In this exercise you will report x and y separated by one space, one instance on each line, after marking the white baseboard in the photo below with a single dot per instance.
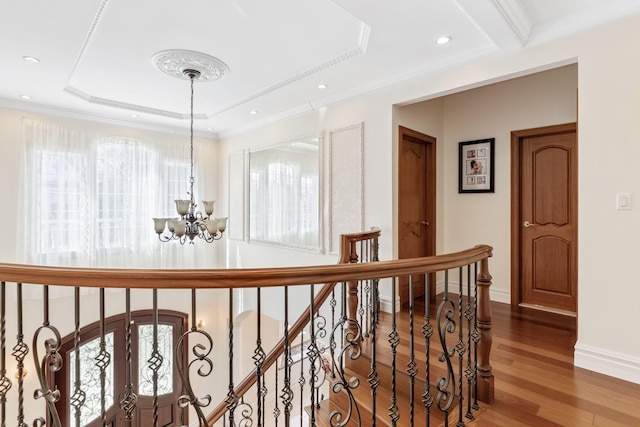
498 295
607 362
386 304
495 294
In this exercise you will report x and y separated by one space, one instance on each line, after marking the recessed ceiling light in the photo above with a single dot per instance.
443 40
210 129
254 112
27 97
31 59
134 116
322 86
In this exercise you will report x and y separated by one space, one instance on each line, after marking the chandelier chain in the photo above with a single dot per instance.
191 178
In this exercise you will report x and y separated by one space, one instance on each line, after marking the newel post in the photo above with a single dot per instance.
485 372
352 297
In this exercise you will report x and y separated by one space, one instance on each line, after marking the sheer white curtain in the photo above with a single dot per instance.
90 199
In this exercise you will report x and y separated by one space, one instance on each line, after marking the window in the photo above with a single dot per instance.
95 196
284 194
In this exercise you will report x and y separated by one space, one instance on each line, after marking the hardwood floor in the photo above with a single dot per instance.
536 383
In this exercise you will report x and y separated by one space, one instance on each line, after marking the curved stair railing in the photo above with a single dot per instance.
309 374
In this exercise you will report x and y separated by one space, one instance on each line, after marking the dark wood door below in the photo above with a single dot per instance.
416 204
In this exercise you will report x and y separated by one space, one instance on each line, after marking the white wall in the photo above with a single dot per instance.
609 102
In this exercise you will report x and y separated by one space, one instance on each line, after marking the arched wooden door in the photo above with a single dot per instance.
171 325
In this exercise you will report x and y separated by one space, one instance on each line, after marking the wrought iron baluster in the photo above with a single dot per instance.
232 397
373 379
20 351
5 383
475 337
332 340
156 359
461 348
276 409
313 355
201 353
259 357
129 399
412 368
103 359
446 325
394 340
469 370
51 360
427 332
287 393
79 395
301 381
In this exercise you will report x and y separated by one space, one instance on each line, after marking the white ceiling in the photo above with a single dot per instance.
96 55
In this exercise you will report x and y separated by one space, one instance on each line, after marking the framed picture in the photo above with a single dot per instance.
476 166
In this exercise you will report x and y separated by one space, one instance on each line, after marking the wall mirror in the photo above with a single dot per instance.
284 194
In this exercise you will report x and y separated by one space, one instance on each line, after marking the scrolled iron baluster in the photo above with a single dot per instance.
352 349
201 353
51 360
246 414
322 366
446 325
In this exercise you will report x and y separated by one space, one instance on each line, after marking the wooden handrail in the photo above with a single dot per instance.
244 278
347 270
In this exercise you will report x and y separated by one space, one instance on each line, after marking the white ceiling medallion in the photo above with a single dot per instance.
174 62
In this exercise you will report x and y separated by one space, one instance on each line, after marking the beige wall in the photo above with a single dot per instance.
608 104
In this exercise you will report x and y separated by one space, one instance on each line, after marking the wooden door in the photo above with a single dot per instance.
544 218
169 414
416 203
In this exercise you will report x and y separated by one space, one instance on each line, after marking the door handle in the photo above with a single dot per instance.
527 224
425 223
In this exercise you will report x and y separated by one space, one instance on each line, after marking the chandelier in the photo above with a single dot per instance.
191 223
